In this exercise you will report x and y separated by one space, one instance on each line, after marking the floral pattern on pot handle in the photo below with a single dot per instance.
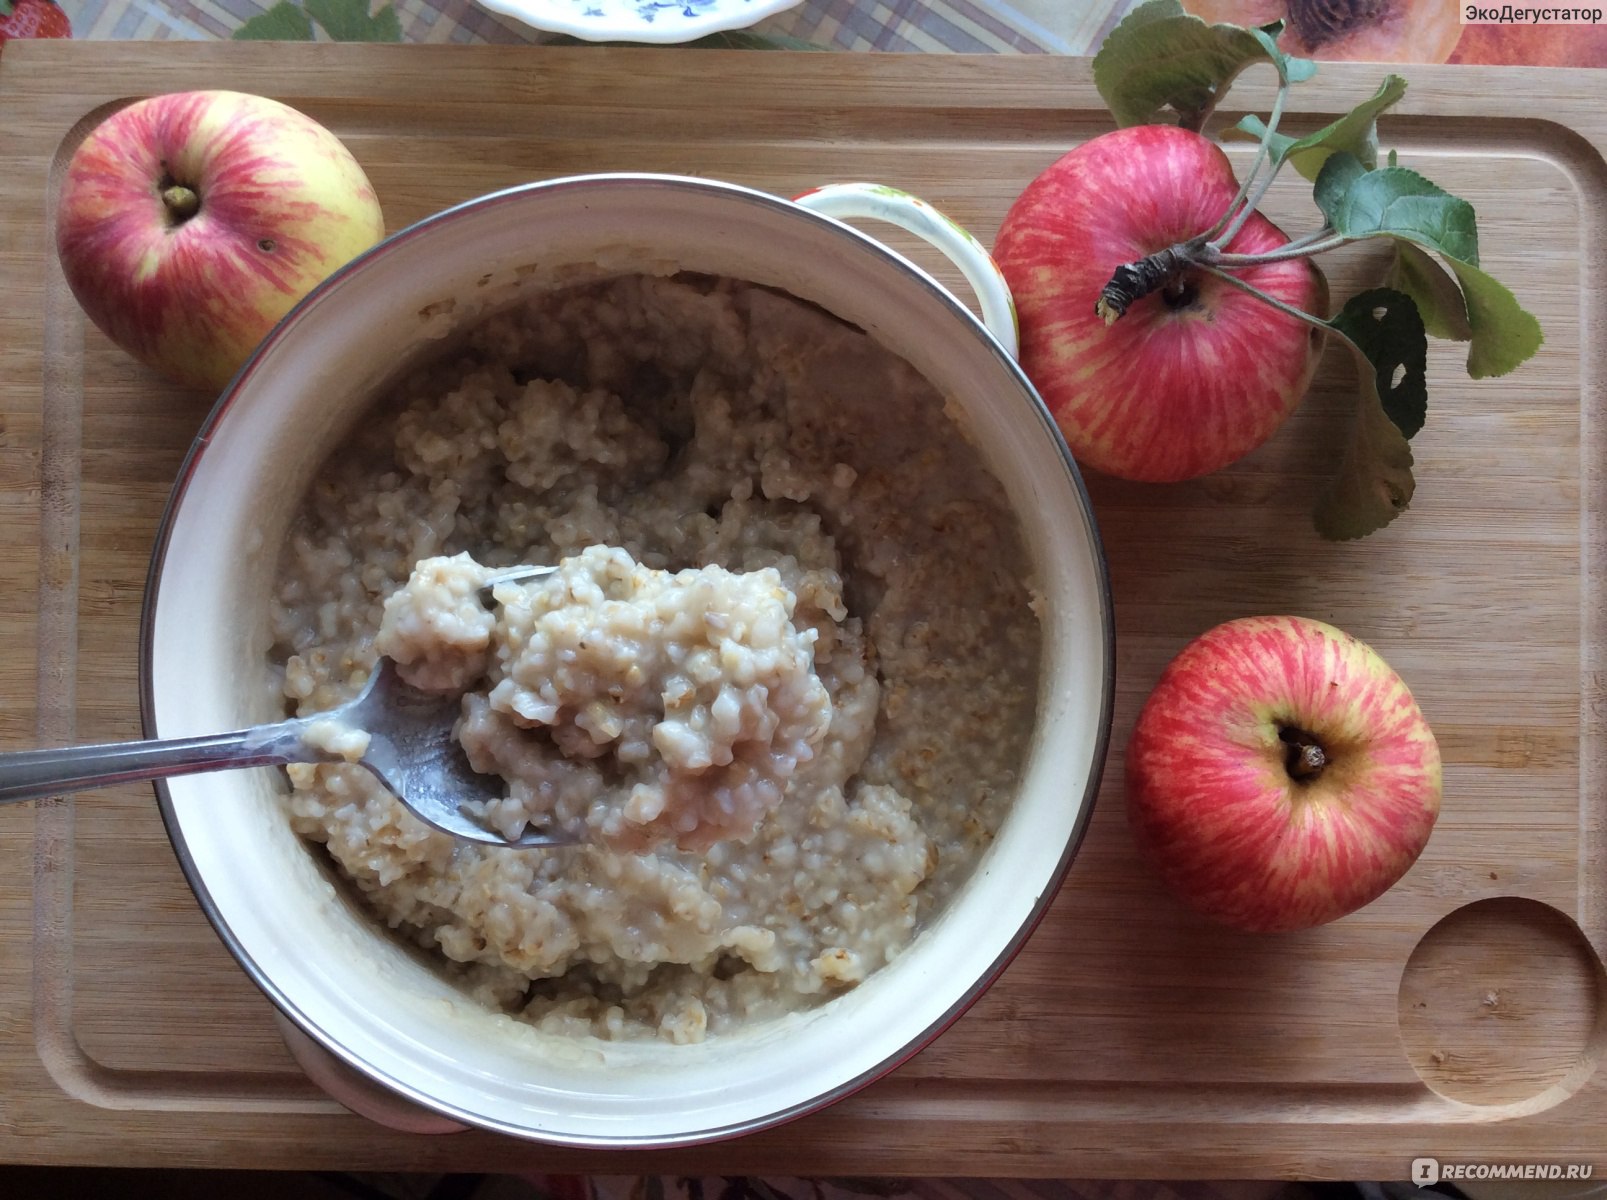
877 202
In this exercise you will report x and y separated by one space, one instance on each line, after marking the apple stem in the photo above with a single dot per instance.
1132 281
1217 258
1240 208
1250 204
1310 239
1304 759
1135 280
1299 314
181 202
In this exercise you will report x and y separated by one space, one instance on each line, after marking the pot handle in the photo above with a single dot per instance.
875 201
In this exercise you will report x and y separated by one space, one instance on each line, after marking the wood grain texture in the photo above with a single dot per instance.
1129 1038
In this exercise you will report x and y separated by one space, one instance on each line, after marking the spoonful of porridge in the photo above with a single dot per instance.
595 701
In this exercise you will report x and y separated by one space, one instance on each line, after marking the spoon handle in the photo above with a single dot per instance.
33 774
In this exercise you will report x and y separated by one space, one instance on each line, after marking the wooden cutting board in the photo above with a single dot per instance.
1461 1016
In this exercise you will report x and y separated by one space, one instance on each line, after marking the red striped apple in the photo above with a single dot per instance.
189 223
1281 775
1197 373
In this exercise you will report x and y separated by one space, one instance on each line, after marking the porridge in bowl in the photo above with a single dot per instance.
784 676
675 706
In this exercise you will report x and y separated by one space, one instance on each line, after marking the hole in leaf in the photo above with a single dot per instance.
1398 375
1380 313
266 245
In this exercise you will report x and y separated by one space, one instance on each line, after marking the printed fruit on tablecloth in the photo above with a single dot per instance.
32 19
1425 31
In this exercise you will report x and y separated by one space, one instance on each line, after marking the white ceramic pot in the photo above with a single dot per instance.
346 984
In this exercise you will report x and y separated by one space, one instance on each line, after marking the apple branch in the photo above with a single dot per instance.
1309 239
1298 313
1260 158
1161 60
1210 256
1254 201
1133 281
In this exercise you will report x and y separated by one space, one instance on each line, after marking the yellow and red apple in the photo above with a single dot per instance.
190 223
1196 374
1281 775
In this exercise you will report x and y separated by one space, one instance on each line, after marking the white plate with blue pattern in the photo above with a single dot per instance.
639 20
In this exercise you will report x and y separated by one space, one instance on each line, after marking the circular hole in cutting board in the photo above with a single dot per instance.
1504 1002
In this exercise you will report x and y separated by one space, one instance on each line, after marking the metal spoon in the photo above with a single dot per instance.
411 750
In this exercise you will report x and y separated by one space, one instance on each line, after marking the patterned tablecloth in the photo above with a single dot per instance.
1031 26
963 26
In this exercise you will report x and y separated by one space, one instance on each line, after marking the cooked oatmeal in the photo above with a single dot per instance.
623 705
785 674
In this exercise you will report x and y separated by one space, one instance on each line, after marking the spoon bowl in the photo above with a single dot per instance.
404 735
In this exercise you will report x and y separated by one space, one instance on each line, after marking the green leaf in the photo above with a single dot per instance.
1398 203
1255 130
1354 133
1393 200
1338 175
1505 334
284 22
1290 69
1159 57
1298 70
1374 484
1385 326
1438 296
350 21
